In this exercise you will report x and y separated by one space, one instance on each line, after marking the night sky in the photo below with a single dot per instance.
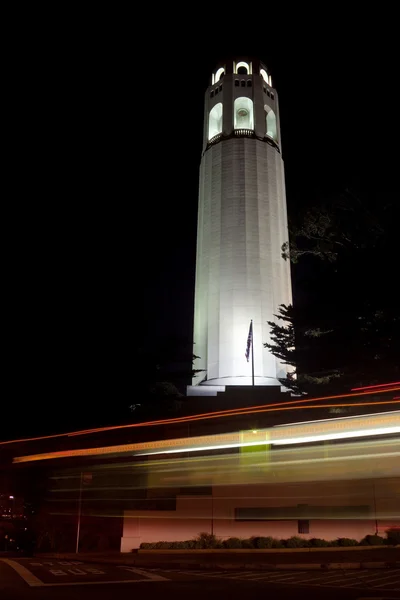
101 237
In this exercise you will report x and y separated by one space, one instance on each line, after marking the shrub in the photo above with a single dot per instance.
247 544
263 542
233 542
278 543
296 542
393 537
178 545
372 540
346 542
318 543
206 541
162 545
146 546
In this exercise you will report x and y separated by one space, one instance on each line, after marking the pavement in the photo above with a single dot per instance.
44 579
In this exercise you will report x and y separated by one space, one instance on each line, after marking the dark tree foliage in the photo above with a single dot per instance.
296 340
344 328
163 373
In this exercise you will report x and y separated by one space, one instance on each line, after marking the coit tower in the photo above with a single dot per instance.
242 224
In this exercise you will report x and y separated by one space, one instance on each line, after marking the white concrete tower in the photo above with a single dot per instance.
242 224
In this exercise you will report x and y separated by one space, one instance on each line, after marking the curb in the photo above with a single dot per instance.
229 566
263 550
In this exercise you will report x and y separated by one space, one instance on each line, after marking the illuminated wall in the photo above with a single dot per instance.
309 510
242 224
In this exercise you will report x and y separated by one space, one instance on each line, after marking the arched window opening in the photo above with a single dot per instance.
219 74
236 82
264 75
215 121
243 113
212 94
243 68
271 125
249 83
243 83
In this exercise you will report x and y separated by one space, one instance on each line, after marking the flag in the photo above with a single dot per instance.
249 341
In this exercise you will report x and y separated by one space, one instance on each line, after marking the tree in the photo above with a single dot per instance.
296 343
163 373
344 328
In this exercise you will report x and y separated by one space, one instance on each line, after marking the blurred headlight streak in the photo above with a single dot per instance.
301 433
358 460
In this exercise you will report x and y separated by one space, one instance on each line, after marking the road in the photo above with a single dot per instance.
33 579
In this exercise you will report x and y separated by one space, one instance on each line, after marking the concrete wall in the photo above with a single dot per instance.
195 514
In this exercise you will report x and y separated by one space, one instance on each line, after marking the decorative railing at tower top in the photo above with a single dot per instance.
244 132
249 133
214 139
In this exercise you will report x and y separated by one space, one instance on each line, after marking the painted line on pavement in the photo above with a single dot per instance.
149 576
385 584
58 584
24 573
395 575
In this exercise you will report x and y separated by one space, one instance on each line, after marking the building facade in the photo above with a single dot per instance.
327 510
242 224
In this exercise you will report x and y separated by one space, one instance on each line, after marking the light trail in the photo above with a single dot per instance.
342 423
380 385
216 414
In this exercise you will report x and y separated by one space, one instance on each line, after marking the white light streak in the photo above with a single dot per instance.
283 441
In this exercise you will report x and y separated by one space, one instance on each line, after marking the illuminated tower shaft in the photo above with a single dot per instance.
242 224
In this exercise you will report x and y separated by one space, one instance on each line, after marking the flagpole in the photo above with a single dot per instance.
252 353
78 528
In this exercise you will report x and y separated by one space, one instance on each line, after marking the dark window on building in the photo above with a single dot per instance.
268 93
265 89
272 95
216 91
212 94
299 513
195 491
243 83
249 83
237 82
220 88
303 526
242 71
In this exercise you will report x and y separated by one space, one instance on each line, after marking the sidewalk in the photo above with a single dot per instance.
338 558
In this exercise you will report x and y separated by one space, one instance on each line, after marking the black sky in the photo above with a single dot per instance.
100 238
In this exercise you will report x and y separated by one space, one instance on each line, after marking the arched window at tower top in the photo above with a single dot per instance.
242 68
271 130
243 113
215 121
219 74
264 75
